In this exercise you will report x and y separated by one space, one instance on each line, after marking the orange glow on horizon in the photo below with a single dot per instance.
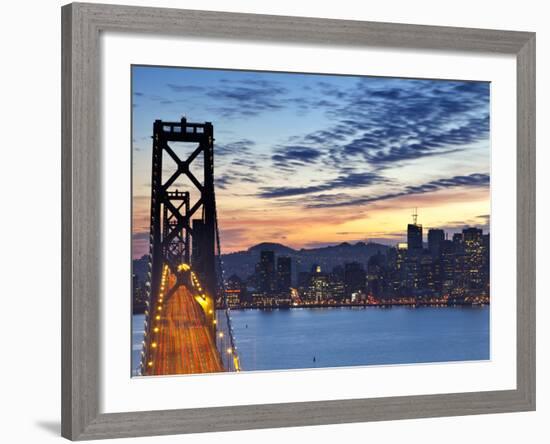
299 227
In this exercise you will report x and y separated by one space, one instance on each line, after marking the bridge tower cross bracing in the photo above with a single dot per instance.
183 231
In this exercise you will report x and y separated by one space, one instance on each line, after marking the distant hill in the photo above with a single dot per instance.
277 248
243 263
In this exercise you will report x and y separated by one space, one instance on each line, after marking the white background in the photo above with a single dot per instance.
30 184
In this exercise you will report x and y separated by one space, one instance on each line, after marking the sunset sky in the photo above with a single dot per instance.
310 160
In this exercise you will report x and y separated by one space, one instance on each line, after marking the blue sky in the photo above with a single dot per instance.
307 159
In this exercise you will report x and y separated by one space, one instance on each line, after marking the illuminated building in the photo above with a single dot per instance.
283 275
336 282
486 263
473 258
428 280
266 272
139 295
319 289
354 278
235 291
411 273
376 275
457 271
414 236
457 239
447 272
435 237
396 264
447 261
303 282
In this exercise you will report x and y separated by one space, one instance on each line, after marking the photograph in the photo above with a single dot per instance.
286 220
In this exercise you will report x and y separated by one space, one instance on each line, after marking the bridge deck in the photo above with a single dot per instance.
184 343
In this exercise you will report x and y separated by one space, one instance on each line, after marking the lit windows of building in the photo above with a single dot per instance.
414 238
235 291
284 276
319 290
354 278
436 237
266 272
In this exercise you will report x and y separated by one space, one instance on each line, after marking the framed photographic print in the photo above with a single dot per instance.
278 221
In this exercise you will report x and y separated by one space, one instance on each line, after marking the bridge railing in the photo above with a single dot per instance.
225 341
143 355
225 338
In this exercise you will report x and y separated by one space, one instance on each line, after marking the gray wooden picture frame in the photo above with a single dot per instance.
81 174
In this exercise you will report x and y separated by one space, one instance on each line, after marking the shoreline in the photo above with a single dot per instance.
388 305
353 305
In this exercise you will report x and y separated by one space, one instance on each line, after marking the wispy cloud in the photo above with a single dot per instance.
354 180
236 148
289 157
182 88
473 180
384 122
246 98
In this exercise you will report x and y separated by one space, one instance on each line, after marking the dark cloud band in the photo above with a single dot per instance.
473 180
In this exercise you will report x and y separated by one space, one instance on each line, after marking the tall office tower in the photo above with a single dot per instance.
354 278
414 235
376 274
436 237
303 282
448 257
283 274
473 258
396 258
319 289
472 235
486 267
429 275
414 238
457 238
336 282
266 268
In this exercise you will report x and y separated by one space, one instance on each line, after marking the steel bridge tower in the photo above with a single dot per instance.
183 231
185 271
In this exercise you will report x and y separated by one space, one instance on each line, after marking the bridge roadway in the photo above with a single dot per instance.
181 342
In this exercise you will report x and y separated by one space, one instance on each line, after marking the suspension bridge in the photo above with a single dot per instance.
187 327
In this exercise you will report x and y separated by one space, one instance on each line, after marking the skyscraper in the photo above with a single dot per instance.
266 269
319 289
376 276
457 238
354 278
414 235
336 282
283 274
448 256
486 265
473 257
436 237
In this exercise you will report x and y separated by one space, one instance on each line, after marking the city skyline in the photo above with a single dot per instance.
309 160
440 273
